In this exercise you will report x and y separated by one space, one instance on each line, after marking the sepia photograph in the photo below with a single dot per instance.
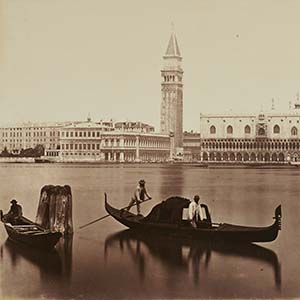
149 149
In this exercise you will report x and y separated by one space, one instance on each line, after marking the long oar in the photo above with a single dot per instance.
101 218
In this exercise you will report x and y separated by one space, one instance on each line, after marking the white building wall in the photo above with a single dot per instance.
221 123
285 123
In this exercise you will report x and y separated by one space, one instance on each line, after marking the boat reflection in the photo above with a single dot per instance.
192 257
53 265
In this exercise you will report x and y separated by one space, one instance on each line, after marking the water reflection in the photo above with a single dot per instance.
170 183
191 257
53 269
48 263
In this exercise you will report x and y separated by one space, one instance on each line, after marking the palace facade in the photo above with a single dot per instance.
126 142
29 135
265 138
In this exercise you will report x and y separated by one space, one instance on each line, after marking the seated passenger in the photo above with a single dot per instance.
15 213
195 213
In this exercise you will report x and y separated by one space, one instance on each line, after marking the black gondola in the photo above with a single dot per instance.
176 227
31 234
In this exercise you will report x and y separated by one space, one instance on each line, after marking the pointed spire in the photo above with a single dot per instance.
173 48
89 119
297 102
273 104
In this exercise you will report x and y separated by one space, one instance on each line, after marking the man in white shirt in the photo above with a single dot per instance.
195 212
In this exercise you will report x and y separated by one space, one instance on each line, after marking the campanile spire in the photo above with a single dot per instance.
171 116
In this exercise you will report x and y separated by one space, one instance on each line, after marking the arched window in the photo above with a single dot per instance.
261 131
229 129
247 129
246 156
212 129
253 157
294 131
267 157
281 157
276 129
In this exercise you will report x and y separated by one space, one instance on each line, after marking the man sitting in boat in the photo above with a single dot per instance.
15 213
195 213
139 196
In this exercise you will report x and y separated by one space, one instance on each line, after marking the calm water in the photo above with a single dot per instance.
105 261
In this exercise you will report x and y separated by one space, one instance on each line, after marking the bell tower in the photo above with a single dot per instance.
171 111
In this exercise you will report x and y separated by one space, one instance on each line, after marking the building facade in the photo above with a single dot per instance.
265 138
14 138
191 146
89 141
171 115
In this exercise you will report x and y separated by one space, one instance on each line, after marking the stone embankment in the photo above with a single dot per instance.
17 159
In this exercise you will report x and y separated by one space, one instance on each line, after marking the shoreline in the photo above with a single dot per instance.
204 165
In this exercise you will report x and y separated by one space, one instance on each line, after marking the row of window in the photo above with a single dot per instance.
84 133
260 118
132 141
81 134
28 134
242 156
24 128
171 78
26 140
247 130
251 145
79 154
80 146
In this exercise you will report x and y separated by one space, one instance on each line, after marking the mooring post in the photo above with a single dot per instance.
55 209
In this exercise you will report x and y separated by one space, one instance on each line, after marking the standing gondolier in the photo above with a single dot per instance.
139 196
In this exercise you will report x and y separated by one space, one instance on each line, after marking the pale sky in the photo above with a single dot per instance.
63 59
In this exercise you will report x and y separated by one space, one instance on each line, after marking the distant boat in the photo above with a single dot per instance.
42 160
177 227
31 234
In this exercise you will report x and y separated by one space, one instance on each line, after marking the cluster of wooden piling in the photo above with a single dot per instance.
55 209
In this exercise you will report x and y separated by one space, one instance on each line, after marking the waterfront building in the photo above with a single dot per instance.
191 146
271 137
14 138
91 141
171 113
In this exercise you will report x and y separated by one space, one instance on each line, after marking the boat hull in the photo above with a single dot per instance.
46 240
30 233
224 232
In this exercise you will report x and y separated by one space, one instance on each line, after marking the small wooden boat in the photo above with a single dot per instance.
31 234
177 227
